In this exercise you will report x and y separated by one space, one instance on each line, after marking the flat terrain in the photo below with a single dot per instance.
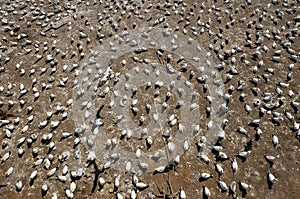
253 46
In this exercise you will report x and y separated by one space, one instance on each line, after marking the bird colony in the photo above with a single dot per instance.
254 47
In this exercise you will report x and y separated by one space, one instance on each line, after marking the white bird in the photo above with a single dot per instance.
62 178
275 140
101 181
206 192
223 185
182 194
141 185
19 185
117 182
234 165
69 193
33 174
219 169
5 156
205 158
244 186
9 171
51 172
160 169
133 194
72 186
206 176
128 166
65 170
271 178
44 187
232 187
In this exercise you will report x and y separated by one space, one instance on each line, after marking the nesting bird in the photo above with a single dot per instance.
58 62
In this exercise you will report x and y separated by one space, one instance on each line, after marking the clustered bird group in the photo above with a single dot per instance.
43 46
